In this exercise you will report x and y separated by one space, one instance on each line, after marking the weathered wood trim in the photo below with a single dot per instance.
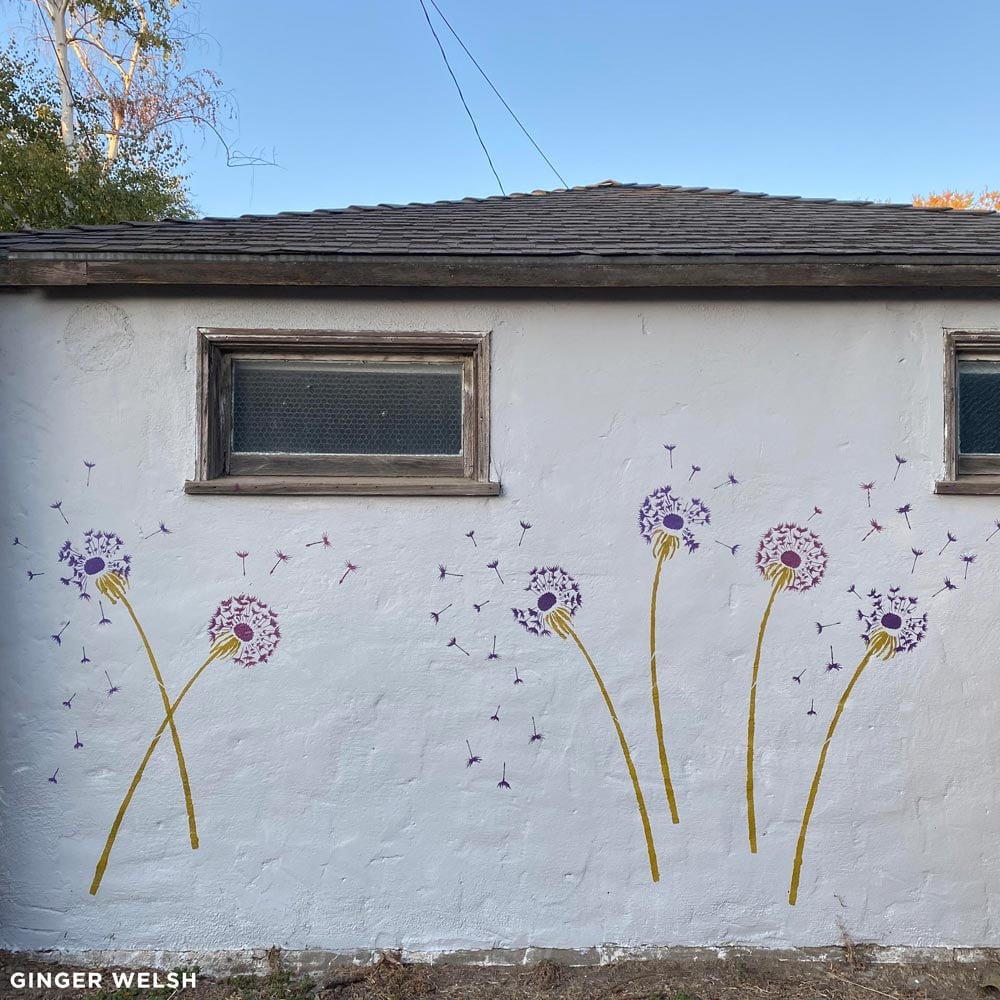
492 271
339 466
969 486
401 486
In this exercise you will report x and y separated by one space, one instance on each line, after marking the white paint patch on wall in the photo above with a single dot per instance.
334 803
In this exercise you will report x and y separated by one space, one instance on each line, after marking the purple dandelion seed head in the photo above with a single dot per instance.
664 511
555 590
100 553
895 614
796 548
252 623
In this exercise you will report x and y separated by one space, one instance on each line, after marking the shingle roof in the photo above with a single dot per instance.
609 219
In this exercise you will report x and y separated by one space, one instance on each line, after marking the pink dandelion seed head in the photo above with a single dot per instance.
99 556
796 548
249 621
896 615
552 589
663 511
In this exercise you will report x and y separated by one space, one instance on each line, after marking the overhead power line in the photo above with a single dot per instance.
510 110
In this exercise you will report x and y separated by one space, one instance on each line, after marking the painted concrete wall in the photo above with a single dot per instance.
335 805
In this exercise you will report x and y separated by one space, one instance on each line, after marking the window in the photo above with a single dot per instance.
303 411
972 412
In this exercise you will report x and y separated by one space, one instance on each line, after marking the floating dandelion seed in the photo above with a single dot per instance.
876 529
900 462
471 535
53 778
494 655
536 736
86 659
853 589
917 553
58 507
790 558
493 566
968 558
868 487
798 677
732 548
820 627
436 615
479 607
324 540
731 480
694 469
77 745
69 701
90 465
56 637
670 452
282 558
555 599
242 556
832 665
105 620
161 530
816 510
17 541
948 585
112 688
995 530
454 642
351 568
443 572
905 511
32 575
495 717
503 782
812 707
951 538
525 528
472 759
518 679
891 626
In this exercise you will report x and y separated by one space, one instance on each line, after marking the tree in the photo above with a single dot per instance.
986 201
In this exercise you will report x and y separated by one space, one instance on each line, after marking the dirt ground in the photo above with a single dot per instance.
742 978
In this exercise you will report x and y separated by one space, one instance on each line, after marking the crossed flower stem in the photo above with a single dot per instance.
560 623
225 647
665 547
883 646
781 577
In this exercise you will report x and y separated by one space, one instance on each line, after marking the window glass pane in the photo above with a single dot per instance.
347 408
979 407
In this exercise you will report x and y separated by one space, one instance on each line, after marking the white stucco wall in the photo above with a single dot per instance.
334 803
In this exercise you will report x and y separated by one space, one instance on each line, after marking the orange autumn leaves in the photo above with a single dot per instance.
986 201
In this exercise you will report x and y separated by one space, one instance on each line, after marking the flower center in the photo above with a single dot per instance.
546 601
892 621
243 632
93 566
791 559
673 522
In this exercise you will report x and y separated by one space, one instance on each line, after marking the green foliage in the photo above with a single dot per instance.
44 186
279 984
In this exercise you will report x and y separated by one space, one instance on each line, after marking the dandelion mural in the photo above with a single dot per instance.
101 561
242 629
791 558
666 522
891 625
556 599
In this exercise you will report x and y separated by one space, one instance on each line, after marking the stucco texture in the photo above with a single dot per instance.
334 802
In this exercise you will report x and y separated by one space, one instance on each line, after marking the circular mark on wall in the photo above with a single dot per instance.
99 337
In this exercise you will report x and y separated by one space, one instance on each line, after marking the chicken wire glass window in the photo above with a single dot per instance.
328 412
979 407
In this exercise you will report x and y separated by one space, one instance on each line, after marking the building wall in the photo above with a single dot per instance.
335 806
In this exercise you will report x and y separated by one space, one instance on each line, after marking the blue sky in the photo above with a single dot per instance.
877 99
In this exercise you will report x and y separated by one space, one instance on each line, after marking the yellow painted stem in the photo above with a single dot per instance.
647 829
102 864
181 765
657 715
752 719
793 890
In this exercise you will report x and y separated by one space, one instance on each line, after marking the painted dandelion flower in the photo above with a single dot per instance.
244 630
917 553
99 558
472 758
948 585
905 511
453 643
242 556
876 529
666 522
493 564
789 557
816 512
503 782
670 452
900 462
968 558
890 625
436 615
555 600
868 487
951 538
58 506
161 530
536 736
525 528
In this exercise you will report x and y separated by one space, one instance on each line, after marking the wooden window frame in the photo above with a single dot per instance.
221 472
966 474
